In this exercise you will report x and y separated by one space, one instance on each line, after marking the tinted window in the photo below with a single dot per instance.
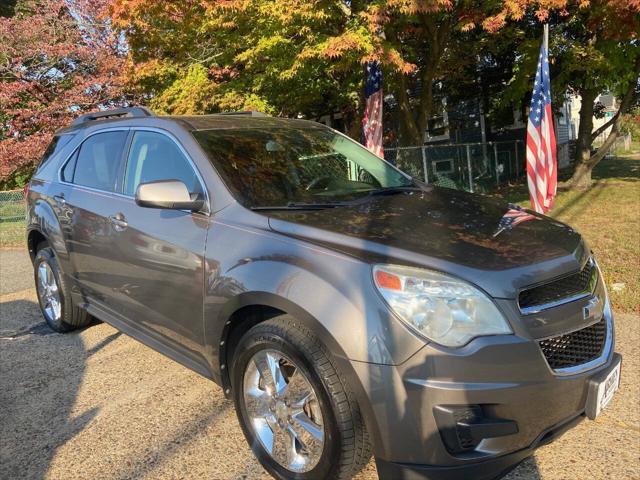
154 156
69 168
277 165
98 160
57 144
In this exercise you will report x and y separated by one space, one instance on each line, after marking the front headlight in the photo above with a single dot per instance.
441 308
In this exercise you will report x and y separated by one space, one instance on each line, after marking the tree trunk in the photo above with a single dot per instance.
583 146
582 175
415 115
408 132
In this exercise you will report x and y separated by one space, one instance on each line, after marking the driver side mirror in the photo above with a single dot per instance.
167 194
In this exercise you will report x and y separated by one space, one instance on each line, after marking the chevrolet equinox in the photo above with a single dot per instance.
348 309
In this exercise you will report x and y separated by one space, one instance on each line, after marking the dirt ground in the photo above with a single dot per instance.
96 404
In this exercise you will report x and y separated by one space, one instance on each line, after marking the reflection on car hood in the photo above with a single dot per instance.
447 230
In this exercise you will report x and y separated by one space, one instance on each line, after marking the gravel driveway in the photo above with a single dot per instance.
97 404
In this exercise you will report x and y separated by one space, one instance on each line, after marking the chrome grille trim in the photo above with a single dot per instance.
596 362
587 292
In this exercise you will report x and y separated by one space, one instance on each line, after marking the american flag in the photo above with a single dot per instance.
514 216
372 119
542 169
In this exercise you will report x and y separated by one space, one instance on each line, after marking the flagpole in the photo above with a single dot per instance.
541 139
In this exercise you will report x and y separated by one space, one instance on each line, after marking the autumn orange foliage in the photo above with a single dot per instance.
55 65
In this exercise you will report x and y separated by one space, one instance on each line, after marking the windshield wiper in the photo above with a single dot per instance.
394 190
299 206
324 205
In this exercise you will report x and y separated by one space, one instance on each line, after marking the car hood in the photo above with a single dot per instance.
456 232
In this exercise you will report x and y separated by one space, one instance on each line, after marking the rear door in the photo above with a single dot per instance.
159 254
88 183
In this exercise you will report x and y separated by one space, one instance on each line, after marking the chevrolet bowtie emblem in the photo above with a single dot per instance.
593 309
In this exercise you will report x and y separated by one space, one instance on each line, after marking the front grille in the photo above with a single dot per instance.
565 287
575 348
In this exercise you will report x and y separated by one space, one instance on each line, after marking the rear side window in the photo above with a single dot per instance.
96 163
69 168
154 156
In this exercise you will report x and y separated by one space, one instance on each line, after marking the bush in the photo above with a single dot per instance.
18 178
631 123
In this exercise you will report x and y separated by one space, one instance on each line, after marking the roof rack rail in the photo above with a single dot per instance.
118 112
248 113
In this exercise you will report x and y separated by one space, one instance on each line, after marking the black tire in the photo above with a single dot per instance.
71 317
346 448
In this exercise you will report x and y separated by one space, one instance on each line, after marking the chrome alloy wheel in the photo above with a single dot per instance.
284 411
48 292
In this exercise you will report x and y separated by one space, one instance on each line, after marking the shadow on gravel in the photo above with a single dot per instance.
41 373
161 453
527 470
41 329
37 391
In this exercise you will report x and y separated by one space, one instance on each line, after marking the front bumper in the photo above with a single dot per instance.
489 469
507 376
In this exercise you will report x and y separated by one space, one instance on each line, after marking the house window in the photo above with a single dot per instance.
438 125
562 118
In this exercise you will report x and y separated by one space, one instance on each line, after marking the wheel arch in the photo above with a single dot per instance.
251 308
34 238
44 225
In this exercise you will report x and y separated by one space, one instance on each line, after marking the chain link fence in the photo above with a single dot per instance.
12 207
475 167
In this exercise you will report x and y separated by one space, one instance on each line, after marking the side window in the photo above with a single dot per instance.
69 168
154 156
96 163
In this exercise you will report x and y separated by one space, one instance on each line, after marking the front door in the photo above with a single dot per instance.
160 252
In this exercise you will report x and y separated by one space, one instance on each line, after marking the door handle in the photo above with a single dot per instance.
60 199
118 222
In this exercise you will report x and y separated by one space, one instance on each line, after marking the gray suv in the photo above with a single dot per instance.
347 308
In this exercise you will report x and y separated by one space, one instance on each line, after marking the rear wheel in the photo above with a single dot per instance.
293 406
53 295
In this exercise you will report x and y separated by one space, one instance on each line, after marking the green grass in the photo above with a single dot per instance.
608 216
12 208
635 146
12 234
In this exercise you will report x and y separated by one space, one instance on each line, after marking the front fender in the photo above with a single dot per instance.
332 293
270 299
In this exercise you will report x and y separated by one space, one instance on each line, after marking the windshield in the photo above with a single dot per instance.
279 166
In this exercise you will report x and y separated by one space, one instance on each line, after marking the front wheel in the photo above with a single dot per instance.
293 406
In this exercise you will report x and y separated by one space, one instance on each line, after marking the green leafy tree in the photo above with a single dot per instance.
598 51
306 57
275 56
594 49
302 57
